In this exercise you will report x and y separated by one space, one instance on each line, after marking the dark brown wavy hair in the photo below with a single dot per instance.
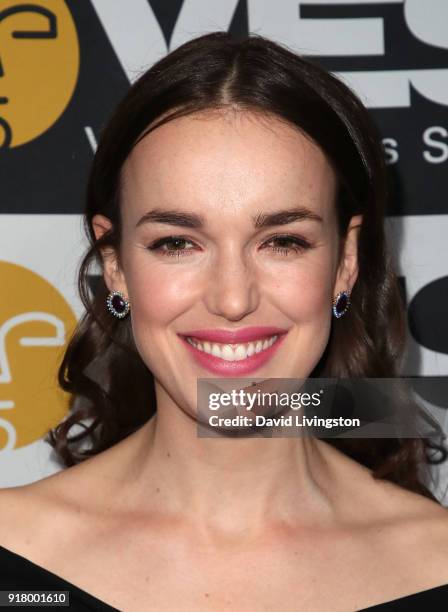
112 390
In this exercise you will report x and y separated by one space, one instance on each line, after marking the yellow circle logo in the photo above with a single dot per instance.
35 324
39 66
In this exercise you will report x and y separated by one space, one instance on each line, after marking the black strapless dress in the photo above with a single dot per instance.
21 574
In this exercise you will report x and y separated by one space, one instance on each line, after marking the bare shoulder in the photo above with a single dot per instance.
40 516
11 505
429 528
406 512
65 502
394 525
413 537
20 511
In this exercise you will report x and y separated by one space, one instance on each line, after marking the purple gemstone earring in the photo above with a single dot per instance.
117 304
341 303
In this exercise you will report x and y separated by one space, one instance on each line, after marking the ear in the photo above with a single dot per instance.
112 273
348 268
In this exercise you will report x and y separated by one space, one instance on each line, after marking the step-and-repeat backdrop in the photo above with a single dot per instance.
64 64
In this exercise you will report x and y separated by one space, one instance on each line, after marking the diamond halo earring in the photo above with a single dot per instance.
341 303
118 304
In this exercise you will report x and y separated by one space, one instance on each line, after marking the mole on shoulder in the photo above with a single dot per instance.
168 455
207 594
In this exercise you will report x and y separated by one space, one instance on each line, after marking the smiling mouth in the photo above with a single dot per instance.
233 352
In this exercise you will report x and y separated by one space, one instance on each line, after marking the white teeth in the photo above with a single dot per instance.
227 353
233 352
215 350
240 352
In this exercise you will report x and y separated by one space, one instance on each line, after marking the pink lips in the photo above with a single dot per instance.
234 336
234 368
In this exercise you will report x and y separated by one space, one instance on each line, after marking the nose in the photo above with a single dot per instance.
232 291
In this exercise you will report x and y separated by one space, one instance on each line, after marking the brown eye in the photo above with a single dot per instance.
175 246
288 244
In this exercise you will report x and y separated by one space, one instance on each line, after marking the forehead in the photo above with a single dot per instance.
231 159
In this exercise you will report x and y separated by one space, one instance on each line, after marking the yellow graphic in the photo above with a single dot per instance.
39 65
35 324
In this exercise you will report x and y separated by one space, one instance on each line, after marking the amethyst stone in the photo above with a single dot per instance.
341 304
118 303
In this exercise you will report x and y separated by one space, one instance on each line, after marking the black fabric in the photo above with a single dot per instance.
432 600
19 573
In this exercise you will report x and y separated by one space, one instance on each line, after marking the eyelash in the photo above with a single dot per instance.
300 245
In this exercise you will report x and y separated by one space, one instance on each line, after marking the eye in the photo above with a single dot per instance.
175 246
287 244
171 241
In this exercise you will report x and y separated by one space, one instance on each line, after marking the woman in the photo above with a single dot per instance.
237 192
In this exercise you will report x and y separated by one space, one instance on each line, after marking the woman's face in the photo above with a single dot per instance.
229 223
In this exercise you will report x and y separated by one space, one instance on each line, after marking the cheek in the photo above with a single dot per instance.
159 293
304 297
158 297
304 291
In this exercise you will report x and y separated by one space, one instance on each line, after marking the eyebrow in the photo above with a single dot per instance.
192 220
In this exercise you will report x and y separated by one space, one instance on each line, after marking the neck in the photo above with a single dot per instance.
209 482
